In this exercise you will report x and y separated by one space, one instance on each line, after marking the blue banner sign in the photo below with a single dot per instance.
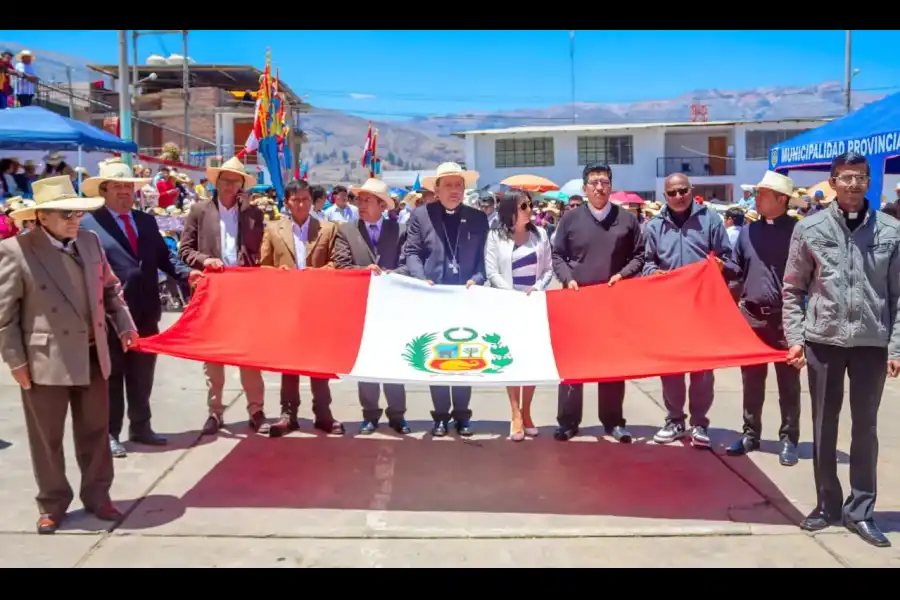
883 144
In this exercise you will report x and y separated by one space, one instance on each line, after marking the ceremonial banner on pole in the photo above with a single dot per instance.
676 323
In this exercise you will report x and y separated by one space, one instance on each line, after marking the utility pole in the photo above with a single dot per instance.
124 96
572 73
186 82
134 91
848 72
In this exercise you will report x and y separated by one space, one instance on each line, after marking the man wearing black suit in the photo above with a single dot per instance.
373 243
136 252
445 244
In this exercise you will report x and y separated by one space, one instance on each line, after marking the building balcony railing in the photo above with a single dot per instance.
694 166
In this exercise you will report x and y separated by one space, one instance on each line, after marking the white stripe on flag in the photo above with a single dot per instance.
448 335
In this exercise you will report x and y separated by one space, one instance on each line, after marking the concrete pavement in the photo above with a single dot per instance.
385 501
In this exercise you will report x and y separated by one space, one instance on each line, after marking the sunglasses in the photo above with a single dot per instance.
675 192
68 215
526 206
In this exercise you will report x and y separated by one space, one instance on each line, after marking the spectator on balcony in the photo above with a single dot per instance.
168 190
7 72
27 78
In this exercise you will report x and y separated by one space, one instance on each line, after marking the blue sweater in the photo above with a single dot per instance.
668 247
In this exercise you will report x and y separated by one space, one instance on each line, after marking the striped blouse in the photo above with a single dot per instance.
525 264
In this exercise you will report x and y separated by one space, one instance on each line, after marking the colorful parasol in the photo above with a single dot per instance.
530 183
626 198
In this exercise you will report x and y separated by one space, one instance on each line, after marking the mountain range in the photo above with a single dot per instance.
336 139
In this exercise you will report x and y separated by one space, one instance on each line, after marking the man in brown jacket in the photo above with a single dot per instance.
56 293
373 243
226 231
301 242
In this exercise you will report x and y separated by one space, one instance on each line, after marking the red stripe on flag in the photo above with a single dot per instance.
682 322
272 320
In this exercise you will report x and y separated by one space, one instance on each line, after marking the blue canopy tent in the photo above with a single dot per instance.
873 131
36 128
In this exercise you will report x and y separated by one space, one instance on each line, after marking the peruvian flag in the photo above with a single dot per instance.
252 143
445 337
369 148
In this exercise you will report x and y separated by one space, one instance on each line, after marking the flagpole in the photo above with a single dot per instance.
572 67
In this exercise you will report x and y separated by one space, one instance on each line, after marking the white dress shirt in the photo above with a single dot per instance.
600 214
228 230
349 214
301 236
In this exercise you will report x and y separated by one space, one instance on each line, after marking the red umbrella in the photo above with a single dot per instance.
626 198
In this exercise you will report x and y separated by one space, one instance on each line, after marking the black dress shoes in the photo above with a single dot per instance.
788 456
869 532
818 520
439 429
147 438
564 435
745 445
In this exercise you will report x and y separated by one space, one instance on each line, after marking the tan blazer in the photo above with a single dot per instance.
39 323
277 248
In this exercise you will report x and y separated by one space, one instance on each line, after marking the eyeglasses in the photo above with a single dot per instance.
848 178
526 206
599 182
677 191
68 215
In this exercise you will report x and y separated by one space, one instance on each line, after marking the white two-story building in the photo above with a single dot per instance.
717 156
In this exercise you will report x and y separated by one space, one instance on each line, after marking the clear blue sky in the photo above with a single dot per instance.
396 74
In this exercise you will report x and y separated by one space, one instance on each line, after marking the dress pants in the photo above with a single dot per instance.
769 329
321 401
46 408
610 405
394 393
675 395
451 402
866 368
251 381
131 374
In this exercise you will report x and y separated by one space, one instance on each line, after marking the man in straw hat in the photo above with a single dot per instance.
445 244
373 243
136 252
27 78
226 231
845 260
760 255
683 233
56 293
301 242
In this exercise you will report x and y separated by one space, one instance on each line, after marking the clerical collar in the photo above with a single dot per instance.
852 216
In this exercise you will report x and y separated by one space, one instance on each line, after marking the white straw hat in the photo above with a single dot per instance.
450 169
777 182
377 188
232 165
56 193
113 169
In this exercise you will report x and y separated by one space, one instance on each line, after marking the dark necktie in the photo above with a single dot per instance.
130 232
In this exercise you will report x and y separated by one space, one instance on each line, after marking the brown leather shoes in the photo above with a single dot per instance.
105 512
286 424
257 420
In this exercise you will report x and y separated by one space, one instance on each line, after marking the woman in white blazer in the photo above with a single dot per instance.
517 257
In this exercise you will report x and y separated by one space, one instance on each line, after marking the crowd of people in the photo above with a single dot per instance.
822 288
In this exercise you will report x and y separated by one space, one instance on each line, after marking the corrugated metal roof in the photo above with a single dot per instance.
619 127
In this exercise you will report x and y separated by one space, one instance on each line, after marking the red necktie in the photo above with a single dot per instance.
130 232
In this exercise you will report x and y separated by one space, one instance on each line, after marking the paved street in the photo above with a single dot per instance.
316 501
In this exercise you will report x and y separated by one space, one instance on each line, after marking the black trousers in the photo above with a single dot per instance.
866 368
610 405
321 397
131 377
769 329
451 402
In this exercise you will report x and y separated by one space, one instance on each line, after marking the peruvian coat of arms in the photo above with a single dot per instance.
458 350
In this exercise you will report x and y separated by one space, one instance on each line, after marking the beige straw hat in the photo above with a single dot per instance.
232 165
113 169
378 188
450 169
56 193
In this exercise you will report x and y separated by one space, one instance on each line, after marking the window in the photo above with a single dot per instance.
607 150
647 196
526 152
760 142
